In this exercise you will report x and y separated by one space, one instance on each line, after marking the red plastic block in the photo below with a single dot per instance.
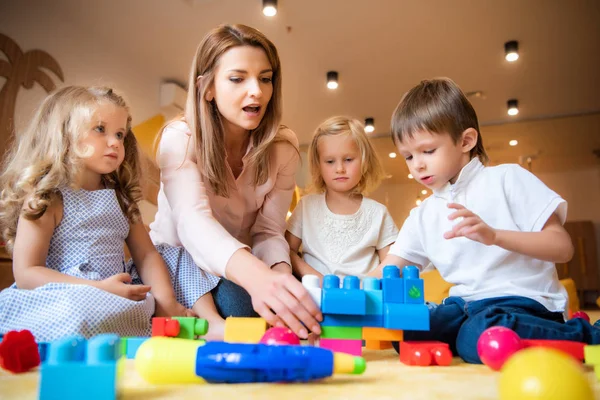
425 353
573 348
165 327
348 346
19 352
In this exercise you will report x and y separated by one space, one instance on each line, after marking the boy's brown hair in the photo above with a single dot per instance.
437 106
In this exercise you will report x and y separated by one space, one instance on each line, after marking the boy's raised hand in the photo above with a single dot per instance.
119 284
472 227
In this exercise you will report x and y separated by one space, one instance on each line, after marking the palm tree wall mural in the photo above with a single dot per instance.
21 69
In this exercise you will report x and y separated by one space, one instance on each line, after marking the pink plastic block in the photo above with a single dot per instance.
353 347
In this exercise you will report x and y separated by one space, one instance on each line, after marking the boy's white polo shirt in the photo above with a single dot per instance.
505 197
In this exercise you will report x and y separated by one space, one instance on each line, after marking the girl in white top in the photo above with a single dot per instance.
494 232
341 231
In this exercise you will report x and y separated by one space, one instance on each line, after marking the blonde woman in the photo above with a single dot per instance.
68 204
227 178
341 231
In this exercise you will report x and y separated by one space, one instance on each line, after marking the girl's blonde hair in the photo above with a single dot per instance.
372 172
47 156
204 119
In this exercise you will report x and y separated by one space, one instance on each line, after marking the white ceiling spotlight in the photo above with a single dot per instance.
369 125
392 155
332 80
511 51
513 107
270 8
513 142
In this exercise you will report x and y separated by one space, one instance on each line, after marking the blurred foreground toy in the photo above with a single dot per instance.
19 351
543 374
498 343
280 335
162 360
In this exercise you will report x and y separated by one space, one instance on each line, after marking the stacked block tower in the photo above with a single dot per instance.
378 312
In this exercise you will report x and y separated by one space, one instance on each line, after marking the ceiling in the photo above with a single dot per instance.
381 48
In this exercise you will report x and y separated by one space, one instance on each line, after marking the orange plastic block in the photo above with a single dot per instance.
244 330
378 344
425 353
392 335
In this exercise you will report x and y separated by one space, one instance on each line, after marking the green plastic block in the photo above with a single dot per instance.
341 332
190 327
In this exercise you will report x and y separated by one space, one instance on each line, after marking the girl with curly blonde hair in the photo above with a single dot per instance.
68 205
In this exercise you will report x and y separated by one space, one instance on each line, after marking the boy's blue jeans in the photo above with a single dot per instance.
232 300
460 323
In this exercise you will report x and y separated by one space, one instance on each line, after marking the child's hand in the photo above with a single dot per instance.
119 285
472 227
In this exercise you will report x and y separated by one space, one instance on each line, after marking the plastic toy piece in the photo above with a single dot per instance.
244 330
592 357
496 345
394 335
414 317
191 328
575 349
425 353
160 361
313 287
347 346
392 285
352 320
19 351
542 373
374 296
130 345
349 300
581 314
278 335
76 367
414 288
378 344
341 332
162 326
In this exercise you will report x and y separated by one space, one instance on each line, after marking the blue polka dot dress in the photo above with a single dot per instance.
88 243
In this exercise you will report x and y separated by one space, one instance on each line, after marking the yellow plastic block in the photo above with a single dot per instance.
244 330
382 334
592 354
378 344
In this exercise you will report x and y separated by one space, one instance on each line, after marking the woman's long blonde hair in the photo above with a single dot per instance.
46 156
204 119
372 172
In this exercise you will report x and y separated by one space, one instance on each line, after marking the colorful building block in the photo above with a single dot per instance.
413 317
374 296
244 330
19 351
130 345
191 328
382 334
347 346
77 368
313 287
392 285
413 286
352 320
575 349
348 300
341 332
162 326
378 344
592 357
425 353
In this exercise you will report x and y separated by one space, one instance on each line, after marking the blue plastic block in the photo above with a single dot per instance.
392 285
132 344
375 321
409 317
413 286
43 349
349 300
372 289
76 368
